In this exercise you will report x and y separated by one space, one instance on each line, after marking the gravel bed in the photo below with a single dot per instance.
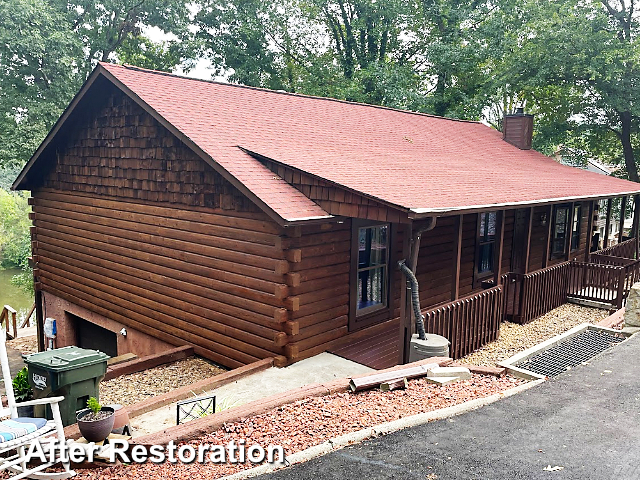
135 387
515 338
302 424
24 345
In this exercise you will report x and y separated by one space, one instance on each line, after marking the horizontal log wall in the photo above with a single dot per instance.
133 226
156 269
324 290
322 287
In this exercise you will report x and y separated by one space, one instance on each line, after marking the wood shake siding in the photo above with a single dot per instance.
151 237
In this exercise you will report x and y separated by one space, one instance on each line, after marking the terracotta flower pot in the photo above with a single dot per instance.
96 430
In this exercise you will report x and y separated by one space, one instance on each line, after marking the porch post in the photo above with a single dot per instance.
547 243
623 213
569 232
457 252
498 261
607 225
636 221
39 320
529 225
587 251
405 300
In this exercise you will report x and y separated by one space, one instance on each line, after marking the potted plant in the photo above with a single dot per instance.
23 392
96 422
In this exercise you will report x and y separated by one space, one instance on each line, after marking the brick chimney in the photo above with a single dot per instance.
517 129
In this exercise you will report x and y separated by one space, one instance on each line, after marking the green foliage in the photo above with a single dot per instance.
15 240
21 388
39 74
94 405
585 93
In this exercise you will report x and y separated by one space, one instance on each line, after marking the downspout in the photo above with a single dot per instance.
410 273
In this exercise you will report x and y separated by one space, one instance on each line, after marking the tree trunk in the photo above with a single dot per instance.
627 149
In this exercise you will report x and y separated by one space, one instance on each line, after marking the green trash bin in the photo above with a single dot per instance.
70 372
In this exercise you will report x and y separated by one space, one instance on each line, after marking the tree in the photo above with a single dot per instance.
105 27
577 62
39 74
416 55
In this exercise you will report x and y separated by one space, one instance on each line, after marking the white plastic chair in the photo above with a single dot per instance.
13 452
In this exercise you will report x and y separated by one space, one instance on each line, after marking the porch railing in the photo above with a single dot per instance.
626 249
528 296
598 282
468 323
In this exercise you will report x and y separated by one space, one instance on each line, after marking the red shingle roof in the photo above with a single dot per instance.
414 161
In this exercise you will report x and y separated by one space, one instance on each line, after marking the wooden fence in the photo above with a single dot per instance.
468 323
528 296
626 249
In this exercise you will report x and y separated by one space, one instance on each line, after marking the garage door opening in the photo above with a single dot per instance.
92 336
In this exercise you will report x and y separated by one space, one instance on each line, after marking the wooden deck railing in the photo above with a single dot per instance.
599 282
8 319
468 323
528 296
626 249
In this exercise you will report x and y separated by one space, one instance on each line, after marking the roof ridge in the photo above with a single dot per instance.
282 92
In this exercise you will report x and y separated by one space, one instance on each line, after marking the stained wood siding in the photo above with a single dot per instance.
322 287
122 151
335 200
539 237
134 227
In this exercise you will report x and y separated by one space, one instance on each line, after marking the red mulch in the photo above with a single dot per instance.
311 421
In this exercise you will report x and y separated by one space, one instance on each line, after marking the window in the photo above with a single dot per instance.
560 230
373 268
485 245
575 227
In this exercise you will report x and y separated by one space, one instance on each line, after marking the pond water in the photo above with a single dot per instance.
14 296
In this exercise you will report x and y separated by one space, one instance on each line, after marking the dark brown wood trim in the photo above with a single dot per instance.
636 222
507 206
40 319
569 232
457 252
548 234
623 213
587 248
528 250
607 228
500 242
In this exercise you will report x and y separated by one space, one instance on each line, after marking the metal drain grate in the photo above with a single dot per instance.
570 353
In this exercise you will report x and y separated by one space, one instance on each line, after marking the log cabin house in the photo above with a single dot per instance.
250 223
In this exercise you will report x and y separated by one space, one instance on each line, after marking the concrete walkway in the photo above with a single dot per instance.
581 425
321 368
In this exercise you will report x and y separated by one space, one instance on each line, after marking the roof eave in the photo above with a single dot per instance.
417 213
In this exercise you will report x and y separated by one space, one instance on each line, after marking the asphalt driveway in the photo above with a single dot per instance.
584 424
